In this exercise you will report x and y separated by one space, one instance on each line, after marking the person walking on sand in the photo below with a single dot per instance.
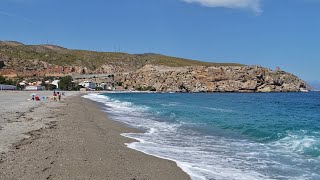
59 96
54 95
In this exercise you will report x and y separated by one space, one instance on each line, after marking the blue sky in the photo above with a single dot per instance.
271 33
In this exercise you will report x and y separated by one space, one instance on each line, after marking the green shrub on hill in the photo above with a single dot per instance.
4 80
66 84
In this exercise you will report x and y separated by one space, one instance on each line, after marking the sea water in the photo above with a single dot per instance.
225 136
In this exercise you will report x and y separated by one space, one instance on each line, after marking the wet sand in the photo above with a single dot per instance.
78 141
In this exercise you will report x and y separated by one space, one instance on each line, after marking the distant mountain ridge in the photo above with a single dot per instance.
143 71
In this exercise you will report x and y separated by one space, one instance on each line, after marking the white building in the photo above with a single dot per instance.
35 88
56 83
106 86
23 83
88 84
7 87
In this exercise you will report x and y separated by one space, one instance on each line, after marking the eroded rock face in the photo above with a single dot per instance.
31 68
213 79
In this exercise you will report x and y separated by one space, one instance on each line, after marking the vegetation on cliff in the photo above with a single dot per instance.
92 60
7 81
66 83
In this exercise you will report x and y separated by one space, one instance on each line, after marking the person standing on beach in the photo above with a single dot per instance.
59 96
54 95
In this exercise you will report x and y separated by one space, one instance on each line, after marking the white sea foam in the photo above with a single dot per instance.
210 157
300 142
220 109
171 104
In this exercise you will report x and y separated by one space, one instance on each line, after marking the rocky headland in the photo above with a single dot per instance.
143 71
213 79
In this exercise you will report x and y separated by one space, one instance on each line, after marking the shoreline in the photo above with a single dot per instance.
130 145
209 92
134 130
80 141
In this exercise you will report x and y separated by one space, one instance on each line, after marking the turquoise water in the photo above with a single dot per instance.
225 136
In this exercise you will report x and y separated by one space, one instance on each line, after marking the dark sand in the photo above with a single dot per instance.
82 143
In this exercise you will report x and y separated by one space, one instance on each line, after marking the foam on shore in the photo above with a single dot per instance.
205 157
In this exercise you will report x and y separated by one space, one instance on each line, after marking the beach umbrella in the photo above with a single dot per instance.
33 94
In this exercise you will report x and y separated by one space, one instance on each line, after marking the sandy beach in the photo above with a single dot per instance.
71 139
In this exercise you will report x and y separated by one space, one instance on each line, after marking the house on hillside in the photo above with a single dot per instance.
88 84
106 86
23 83
35 83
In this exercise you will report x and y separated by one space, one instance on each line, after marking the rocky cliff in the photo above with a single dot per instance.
145 71
213 79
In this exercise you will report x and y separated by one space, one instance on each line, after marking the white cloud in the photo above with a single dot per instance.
253 5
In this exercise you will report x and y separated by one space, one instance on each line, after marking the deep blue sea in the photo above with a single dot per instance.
225 135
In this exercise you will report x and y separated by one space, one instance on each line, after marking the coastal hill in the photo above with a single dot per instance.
142 71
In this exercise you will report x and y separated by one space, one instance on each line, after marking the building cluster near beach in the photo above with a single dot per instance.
104 82
85 83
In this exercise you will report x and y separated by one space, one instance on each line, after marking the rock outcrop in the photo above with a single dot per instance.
13 67
212 79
